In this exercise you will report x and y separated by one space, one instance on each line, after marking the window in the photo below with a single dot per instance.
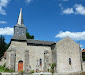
69 61
40 62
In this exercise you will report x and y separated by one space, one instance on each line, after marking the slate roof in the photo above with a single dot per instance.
39 42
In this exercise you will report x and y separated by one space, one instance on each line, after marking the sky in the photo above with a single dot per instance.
48 20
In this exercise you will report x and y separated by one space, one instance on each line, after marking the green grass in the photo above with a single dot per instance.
2 69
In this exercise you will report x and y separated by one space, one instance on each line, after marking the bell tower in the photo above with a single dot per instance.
19 29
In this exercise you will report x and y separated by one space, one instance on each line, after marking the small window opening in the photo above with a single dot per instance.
69 61
40 62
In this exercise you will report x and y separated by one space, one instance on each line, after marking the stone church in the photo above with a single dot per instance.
28 54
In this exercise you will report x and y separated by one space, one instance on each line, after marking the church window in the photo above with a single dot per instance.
40 62
69 61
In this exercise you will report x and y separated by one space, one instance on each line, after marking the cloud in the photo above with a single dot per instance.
79 9
68 11
3 22
3 4
6 31
28 1
72 35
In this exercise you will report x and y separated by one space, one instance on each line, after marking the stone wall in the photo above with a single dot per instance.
68 49
58 53
30 55
83 66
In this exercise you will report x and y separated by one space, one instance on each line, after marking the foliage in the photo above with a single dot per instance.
29 36
7 45
3 46
22 71
48 70
52 68
32 71
5 69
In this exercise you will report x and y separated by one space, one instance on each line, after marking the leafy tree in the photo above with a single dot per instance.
3 46
29 36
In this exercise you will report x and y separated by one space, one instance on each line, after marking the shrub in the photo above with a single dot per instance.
32 71
48 70
6 69
52 68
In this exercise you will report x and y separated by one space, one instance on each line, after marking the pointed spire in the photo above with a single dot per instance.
20 19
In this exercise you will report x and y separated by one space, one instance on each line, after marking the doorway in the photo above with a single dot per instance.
20 65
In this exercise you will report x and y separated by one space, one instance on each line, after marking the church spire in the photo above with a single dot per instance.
20 29
20 19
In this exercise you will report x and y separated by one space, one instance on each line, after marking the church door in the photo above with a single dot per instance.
20 66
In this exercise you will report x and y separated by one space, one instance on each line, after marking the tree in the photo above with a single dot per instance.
29 36
3 46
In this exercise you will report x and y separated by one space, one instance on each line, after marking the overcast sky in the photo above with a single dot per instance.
50 20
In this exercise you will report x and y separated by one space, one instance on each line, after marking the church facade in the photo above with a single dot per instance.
29 54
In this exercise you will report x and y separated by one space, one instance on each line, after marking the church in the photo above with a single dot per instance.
29 54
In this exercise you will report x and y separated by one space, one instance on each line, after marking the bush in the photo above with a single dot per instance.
8 70
3 68
32 71
48 70
52 68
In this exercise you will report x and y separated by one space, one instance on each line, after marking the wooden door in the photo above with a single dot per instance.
20 66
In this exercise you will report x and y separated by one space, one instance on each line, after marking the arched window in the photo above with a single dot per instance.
69 61
40 62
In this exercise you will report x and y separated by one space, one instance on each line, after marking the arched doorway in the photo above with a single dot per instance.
20 65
